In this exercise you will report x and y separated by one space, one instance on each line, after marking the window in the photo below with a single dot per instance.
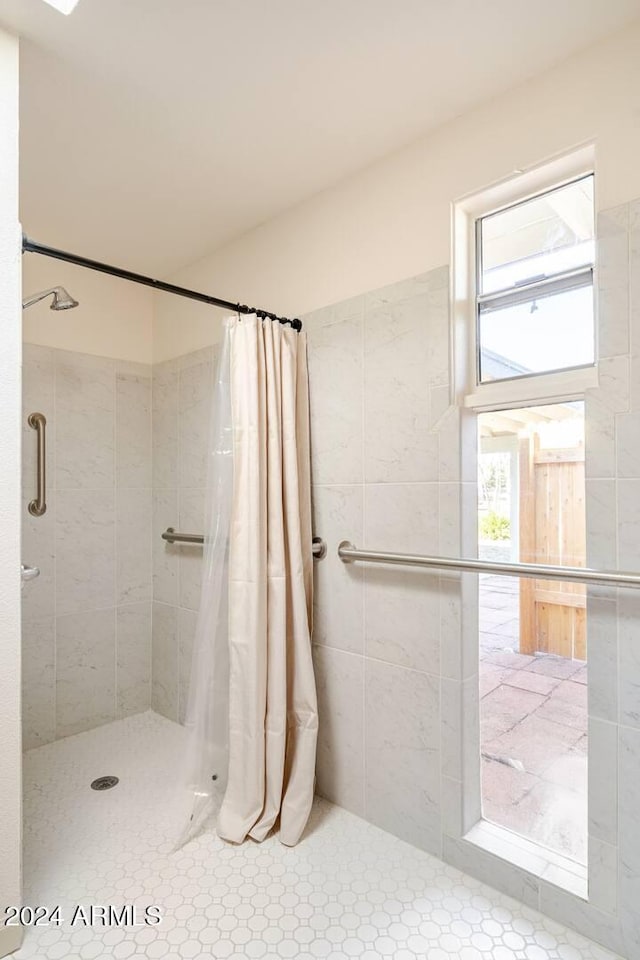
524 354
534 285
533 633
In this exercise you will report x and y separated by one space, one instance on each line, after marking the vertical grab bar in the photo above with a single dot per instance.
37 507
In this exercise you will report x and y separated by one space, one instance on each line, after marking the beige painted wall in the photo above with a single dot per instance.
392 220
10 403
114 318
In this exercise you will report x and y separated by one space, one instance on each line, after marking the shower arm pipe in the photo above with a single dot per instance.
318 546
348 553
32 246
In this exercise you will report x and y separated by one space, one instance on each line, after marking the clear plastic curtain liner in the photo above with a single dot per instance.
207 715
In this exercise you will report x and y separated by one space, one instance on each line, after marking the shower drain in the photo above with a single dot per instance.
104 783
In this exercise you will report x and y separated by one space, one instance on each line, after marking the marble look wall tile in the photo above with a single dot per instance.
85 422
423 283
85 671
340 755
628 899
603 875
450 450
133 430
439 336
165 555
582 916
452 806
469 747
432 290
38 538
131 368
36 353
38 549
628 523
194 411
628 445
439 403
603 781
85 550
335 339
601 523
629 657
398 443
450 517
629 846
401 517
600 438
38 396
165 426
613 383
451 728
191 519
634 283
402 753
613 311
164 660
38 683
602 651
613 282
133 545
469 602
451 628
187 623
401 606
105 405
338 619
615 220
133 661
492 870
402 617
634 370
195 357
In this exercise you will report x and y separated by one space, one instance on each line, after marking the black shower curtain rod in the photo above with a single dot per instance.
32 246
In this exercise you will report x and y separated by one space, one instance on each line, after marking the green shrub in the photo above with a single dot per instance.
493 526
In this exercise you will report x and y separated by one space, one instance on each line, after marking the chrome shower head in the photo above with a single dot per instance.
62 299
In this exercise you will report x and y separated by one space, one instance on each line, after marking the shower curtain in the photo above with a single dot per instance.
252 712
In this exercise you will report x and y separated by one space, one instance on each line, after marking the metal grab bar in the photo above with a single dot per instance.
537 571
38 506
318 546
28 573
171 536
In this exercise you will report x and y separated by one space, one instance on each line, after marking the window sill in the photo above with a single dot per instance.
553 867
542 388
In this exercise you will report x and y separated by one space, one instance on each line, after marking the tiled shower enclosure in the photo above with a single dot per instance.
396 651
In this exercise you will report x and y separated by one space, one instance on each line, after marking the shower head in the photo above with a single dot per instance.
62 299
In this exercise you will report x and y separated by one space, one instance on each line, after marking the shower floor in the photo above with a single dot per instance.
347 890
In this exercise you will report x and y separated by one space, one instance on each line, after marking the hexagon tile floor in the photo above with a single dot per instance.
347 890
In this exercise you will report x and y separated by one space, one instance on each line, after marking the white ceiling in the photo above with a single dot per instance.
155 130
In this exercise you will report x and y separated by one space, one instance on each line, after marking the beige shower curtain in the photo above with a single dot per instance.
273 717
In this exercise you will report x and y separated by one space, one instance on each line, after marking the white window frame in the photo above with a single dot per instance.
482 836
534 388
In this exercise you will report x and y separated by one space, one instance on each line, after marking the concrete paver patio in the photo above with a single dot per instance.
533 730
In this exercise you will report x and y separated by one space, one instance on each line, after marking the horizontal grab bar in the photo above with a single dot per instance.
29 573
318 546
611 578
171 536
